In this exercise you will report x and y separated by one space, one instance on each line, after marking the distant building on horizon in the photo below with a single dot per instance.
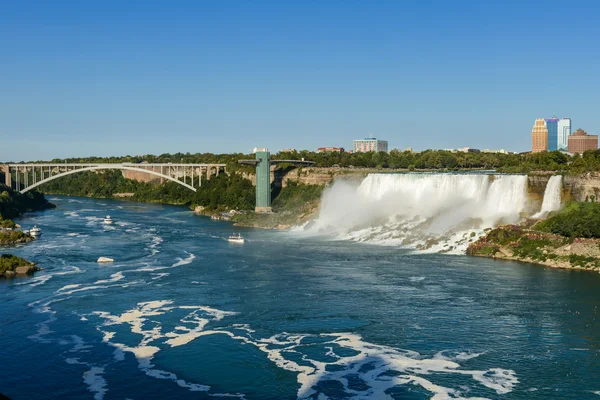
370 144
580 141
539 136
328 149
463 150
501 151
557 132
564 131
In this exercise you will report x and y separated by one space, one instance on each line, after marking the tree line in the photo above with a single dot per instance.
395 159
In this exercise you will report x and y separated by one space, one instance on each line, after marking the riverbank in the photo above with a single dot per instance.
518 243
12 265
13 205
12 237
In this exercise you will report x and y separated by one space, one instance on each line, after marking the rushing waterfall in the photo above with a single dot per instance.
551 196
437 212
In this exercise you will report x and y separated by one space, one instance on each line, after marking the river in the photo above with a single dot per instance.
184 314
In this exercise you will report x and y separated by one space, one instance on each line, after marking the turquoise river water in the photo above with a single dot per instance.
184 314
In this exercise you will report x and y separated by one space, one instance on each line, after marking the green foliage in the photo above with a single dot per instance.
221 192
575 220
505 235
428 159
12 237
583 261
225 193
488 250
13 204
296 195
533 248
7 223
9 262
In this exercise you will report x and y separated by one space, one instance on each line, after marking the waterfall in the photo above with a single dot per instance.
551 196
437 212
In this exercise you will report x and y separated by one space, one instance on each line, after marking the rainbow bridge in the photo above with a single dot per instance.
24 177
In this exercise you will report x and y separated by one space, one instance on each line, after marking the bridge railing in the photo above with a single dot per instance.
24 177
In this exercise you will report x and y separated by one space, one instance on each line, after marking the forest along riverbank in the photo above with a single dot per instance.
12 205
382 208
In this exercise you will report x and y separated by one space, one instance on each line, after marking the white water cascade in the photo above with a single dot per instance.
551 196
434 212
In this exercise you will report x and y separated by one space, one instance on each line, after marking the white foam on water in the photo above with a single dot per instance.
113 278
43 307
96 383
155 242
37 281
435 212
184 261
144 352
92 377
342 356
68 287
380 368
180 262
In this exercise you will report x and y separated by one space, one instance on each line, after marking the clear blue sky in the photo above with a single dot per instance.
80 78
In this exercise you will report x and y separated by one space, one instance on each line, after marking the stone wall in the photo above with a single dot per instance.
583 187
140 176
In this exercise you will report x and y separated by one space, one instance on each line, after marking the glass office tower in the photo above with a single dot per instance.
552 126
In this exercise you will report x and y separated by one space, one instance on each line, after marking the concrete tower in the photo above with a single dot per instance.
539 136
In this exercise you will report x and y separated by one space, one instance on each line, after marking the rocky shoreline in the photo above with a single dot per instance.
281 220
516 243
11 266
12 237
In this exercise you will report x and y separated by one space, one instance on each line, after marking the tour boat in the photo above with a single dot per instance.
35 231
236 238
108 220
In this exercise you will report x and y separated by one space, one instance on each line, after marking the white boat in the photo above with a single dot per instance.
108 220
105 260
235 238
35 231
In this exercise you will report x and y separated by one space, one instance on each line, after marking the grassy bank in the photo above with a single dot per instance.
569 238
13 204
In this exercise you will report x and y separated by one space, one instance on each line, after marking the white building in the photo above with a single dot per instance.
370 144
564 131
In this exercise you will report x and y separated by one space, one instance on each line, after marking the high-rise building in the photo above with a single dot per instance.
552 126
580 141
539 136
564 131
370 144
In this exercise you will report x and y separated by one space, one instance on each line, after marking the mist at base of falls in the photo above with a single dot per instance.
433 212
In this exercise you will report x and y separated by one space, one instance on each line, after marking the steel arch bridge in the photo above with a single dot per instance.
24 177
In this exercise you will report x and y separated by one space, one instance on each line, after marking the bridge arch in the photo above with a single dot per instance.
104 167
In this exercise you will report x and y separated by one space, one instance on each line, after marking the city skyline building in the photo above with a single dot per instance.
539 136
580 141
552 127
370 144
564 131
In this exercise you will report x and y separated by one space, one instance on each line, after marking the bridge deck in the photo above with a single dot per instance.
113 164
